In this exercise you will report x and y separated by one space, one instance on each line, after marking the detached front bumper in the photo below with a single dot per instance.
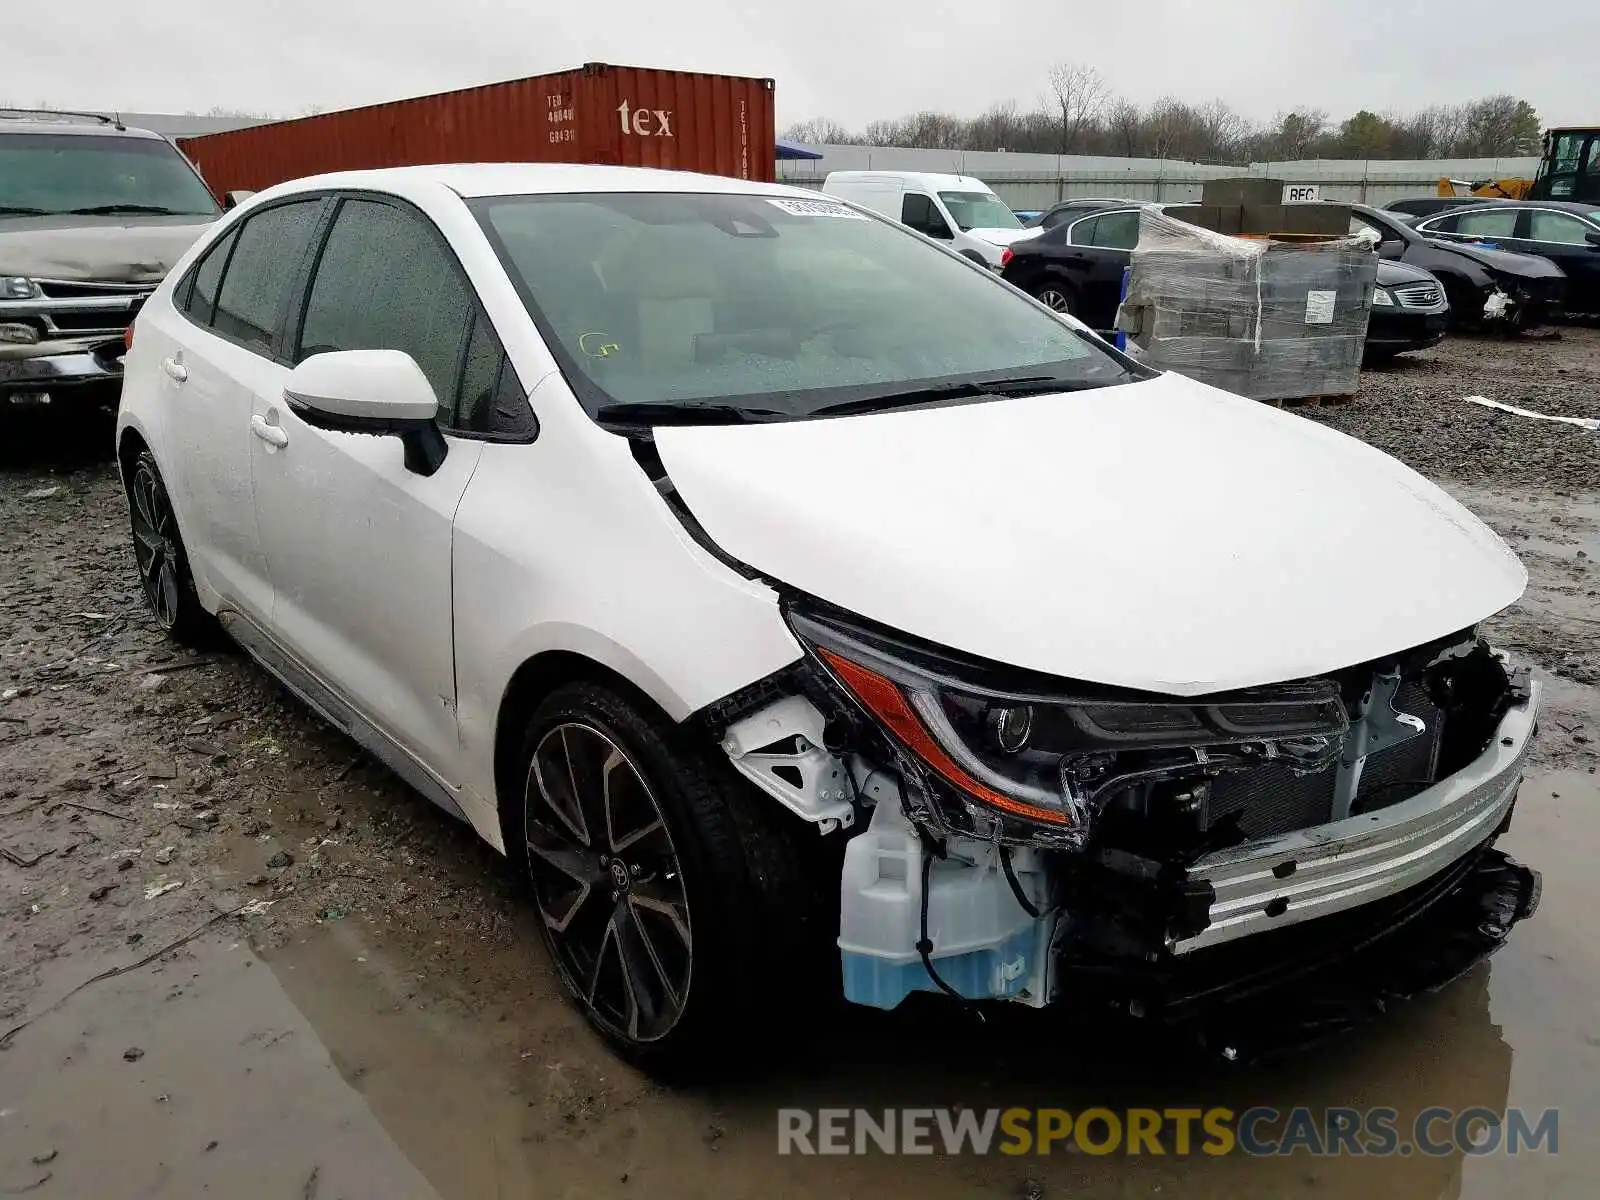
1277 882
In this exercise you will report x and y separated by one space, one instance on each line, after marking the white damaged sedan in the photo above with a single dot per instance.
802 609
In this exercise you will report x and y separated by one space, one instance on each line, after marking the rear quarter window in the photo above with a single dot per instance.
267 257
197 295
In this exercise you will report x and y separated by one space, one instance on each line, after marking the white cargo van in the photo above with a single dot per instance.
956 209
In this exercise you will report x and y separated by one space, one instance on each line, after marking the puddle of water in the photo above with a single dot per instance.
229 1091
403 1070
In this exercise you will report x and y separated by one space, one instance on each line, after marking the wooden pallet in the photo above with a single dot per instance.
1310 401
1304 239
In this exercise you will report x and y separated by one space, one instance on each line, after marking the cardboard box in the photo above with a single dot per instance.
1218 218
1242 191
1332 219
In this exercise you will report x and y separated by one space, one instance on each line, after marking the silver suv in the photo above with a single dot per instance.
92 215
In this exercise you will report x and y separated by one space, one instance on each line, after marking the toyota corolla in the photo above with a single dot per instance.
801 609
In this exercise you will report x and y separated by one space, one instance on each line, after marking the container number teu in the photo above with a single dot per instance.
645 122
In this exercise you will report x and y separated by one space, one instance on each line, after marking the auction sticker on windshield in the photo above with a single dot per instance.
813 208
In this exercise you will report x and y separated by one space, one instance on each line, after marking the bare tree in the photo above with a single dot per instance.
219 110
819 131
884 133
995 129
1078 93
1175 129
1296 133
1222 132
1125 127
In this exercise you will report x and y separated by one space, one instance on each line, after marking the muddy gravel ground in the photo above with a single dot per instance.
238 958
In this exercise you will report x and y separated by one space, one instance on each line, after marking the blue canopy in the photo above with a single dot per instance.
790 150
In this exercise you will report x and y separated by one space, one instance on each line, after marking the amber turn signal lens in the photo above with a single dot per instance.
884 700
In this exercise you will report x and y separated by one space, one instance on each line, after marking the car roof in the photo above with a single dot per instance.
470 180
932 180
1571 206
1096 202
26 120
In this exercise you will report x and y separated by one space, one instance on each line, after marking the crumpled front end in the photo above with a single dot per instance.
63 338
1014 837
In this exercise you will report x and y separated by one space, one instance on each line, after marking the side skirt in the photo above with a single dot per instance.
338 712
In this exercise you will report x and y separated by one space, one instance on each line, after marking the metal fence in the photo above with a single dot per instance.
1035 181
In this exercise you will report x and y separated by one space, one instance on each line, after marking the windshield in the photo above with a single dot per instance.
698 305
979 210
57 173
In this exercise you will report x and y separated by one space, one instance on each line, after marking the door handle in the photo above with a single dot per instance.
272 435
175 369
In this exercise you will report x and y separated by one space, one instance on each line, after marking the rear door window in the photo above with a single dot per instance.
267 259
1497 223
1083 233
1117 230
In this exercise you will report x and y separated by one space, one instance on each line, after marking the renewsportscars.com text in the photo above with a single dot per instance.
1260 1131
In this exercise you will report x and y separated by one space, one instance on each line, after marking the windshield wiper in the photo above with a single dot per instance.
23 210
111 210
1004 386
654 412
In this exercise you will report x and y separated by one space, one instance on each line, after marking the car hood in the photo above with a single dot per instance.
1004 237
1524 266
1395 274
106 249
1162 535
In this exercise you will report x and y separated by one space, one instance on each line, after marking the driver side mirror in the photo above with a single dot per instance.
381 393
233 199
1594 240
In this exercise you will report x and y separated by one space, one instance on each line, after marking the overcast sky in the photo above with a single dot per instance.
853 60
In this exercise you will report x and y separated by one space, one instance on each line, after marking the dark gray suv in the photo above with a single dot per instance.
92 215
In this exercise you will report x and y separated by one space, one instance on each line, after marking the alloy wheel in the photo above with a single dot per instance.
608 882
1055 299
155 544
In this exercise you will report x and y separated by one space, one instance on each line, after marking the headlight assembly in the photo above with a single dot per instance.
18 287
1052 758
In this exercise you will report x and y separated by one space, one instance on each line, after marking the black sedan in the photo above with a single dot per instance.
1077 267
1486 286
1409 311
1418 207
1567 234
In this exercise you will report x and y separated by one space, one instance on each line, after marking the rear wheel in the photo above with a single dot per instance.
158 553
672 903
1056 297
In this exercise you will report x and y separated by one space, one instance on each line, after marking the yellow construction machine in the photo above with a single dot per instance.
1569 169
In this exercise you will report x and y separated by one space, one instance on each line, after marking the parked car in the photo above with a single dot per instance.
1065 210
1410 311
956 209
1426 206
1565 233
1077 268
92 214
799 607
1485 286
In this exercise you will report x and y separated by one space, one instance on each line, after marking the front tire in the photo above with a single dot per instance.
673 906
162 561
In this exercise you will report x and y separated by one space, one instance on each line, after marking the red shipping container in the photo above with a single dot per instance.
629 116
